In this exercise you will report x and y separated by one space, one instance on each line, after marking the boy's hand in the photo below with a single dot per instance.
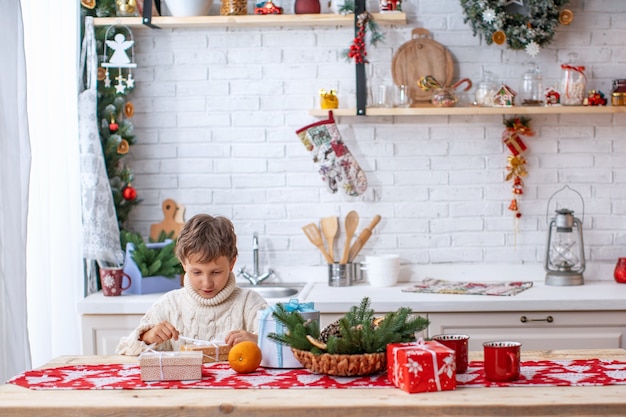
160 333
237 336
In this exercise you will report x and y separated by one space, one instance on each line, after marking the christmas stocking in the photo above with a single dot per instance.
331 156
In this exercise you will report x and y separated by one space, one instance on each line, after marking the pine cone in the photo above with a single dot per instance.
331 330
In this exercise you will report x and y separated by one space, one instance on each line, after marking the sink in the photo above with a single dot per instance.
279 290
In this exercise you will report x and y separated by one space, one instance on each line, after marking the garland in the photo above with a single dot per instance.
522 24
364 22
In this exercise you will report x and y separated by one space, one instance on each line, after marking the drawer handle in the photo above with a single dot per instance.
525 319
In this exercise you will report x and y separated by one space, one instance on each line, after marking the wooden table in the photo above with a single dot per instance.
500 402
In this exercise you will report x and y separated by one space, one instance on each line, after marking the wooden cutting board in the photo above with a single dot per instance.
419 57
173 220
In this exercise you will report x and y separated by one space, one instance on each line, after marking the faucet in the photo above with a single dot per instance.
255 278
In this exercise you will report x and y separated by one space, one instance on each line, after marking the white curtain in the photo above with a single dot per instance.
15 160
54 253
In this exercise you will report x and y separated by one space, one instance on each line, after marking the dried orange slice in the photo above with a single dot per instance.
129 109
498 37
90 4
566 17
245 357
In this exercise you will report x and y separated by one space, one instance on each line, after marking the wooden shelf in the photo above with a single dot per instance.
280 20
429 110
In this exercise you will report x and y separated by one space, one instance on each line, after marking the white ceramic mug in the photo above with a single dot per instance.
181 8
382 270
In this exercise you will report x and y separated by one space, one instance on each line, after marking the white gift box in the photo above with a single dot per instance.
276 355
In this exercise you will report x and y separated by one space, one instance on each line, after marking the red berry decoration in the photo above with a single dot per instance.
129 193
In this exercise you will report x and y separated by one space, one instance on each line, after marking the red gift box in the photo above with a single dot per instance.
421 366
515 144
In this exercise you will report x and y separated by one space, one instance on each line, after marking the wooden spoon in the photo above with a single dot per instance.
362 239
351 223
313 233
330 227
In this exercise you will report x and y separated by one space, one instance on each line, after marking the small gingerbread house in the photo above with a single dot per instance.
504 96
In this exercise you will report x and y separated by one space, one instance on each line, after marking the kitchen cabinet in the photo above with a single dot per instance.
102 332
537 330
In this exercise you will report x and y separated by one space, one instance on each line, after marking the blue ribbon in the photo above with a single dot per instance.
292 305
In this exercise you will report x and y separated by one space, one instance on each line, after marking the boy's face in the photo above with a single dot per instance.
207 279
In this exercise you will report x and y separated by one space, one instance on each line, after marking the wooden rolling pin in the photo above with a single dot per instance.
362 239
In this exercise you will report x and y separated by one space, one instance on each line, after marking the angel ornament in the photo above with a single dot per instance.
119 53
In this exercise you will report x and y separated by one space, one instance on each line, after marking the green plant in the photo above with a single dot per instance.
358 332
151 261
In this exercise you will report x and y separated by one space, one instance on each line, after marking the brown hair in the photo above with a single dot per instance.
207 238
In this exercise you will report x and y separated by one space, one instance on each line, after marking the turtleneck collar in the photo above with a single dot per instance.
219 298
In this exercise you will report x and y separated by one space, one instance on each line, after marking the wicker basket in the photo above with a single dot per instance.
342 365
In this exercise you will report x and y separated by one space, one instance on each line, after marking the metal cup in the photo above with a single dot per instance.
342 275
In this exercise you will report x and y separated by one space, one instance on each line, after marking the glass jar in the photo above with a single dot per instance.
618 94
485 90
531 89
620 271
573 82
234 8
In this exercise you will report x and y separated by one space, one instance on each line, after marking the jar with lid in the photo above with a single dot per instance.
234 7
618 94
531 90
485 90
573 82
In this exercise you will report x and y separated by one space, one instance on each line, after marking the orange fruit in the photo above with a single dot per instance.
245 357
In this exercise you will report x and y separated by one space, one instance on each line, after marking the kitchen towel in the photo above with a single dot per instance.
579 372
440 286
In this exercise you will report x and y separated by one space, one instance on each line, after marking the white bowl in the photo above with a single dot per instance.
181 8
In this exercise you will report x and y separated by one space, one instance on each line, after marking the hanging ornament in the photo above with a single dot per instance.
129 193
516 163
90 4
118 40
129 109
123 147
566 17
113 126
101 74
498 37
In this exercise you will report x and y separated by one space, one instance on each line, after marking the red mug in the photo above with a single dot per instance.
458 343
111 281
502 361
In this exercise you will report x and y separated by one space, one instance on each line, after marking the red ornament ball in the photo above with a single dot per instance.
113 127
129 193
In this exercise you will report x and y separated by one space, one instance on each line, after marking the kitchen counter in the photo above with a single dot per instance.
592 296
388 402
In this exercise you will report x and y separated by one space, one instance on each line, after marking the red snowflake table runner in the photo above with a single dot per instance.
219 375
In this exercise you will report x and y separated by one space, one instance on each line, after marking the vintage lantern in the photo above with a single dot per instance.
565 252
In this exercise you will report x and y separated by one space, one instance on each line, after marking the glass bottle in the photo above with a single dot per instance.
485 90
573 82
531 91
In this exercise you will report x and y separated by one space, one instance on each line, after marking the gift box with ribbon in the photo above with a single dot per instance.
515 144
211 351
170 366
421 366
276 355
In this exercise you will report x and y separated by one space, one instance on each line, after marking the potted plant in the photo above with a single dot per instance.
153 266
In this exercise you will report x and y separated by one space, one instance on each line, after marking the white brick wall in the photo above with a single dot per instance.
216 112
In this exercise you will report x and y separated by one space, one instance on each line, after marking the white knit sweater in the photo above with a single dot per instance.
233 308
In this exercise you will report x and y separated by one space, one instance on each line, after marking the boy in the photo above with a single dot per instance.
210 306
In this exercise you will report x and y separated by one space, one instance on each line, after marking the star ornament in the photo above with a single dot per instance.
532 49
